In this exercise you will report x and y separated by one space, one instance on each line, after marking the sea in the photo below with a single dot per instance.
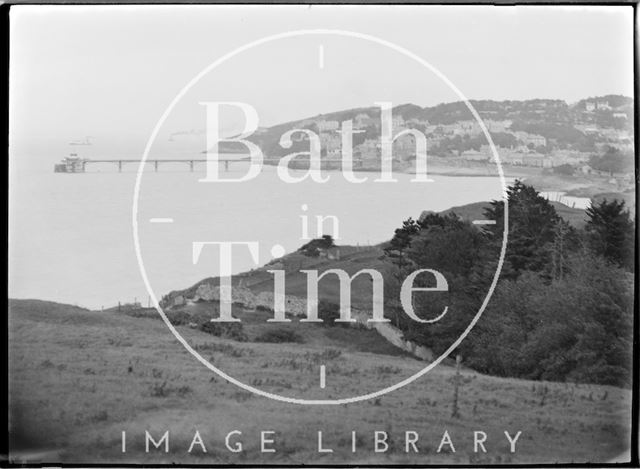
71 236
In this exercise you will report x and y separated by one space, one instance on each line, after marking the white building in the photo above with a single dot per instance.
327 126
397 123
527 139
362 120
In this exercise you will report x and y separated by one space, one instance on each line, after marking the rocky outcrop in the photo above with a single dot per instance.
240 295
298 307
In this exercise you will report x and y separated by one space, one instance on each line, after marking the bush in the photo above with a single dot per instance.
576 328
162 389
279 336
329 312
179 318
229 330
313 247
564 169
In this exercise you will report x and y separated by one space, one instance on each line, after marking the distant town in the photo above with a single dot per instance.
593 137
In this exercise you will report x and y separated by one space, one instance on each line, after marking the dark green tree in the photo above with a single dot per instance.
532 227
578 328
564 169
313 247
610 232
401 240
612 161
454 248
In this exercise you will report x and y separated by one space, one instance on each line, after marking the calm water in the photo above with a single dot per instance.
71 236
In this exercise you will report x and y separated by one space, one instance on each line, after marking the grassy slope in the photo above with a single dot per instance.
475 211
351 261
78 378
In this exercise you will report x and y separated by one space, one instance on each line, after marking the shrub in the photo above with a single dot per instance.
232 330
162 389
324 356
313 247
564 169
279 336
329 312
179 318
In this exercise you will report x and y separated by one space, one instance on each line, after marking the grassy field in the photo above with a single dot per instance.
79 378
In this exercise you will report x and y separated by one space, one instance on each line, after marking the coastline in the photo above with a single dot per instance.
542 179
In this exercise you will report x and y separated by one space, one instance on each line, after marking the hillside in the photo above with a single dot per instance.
352 259
544 125
576 217
79 378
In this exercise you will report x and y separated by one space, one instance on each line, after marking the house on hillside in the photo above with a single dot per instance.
497 126
327 126
362 121
397 123
416 121
571 157
512 158
306 123
368 150
531 139
474 155
537 160
404 146
470 127
299 137
330 141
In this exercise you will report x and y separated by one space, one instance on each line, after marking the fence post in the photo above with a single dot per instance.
456 384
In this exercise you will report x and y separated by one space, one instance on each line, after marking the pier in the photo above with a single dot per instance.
74 164
78 165
156 162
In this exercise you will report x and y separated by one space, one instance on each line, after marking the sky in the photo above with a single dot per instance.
109 72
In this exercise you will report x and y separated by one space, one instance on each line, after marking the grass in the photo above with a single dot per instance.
576 217
79 378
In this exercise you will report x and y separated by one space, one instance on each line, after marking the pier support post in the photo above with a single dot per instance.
191 166
119 166
226 165
155 165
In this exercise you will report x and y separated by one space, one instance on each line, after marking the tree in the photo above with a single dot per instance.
610 232
401 240
613 161
578 328
395 252
566 241
313 247
454 248
559 312
532 227
564 169
504 139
